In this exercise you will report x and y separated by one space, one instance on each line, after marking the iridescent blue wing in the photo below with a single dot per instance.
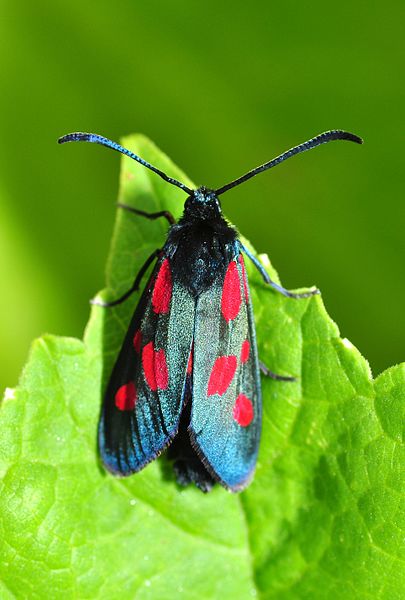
144 397
226 411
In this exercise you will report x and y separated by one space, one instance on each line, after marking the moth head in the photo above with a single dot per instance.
202 204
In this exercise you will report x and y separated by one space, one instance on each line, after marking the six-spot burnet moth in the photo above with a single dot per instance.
188 373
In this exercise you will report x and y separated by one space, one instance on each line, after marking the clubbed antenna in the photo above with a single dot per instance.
322 138
99 139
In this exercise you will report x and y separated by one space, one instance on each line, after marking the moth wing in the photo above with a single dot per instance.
144 397
226 412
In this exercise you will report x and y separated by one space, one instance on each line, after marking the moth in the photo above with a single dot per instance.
188 373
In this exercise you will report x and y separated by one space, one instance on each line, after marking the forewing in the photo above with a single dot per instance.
144 397
226 403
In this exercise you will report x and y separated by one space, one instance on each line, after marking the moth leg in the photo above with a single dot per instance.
163 213
135 285
273 284
269 373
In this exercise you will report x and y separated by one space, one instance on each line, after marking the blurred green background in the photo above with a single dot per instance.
221 87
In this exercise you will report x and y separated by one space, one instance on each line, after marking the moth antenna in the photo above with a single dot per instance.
103 141
322 138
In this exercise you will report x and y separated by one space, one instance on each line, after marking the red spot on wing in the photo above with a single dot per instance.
162 292
137 341
244 277
190 363
222 374
155 367
231 296
244 353
148 364
243 412
161 372
126 397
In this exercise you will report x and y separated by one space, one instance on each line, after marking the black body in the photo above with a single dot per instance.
202 244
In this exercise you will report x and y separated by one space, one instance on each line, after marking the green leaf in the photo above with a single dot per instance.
323 518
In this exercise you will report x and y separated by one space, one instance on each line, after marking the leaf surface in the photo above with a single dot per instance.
323 518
